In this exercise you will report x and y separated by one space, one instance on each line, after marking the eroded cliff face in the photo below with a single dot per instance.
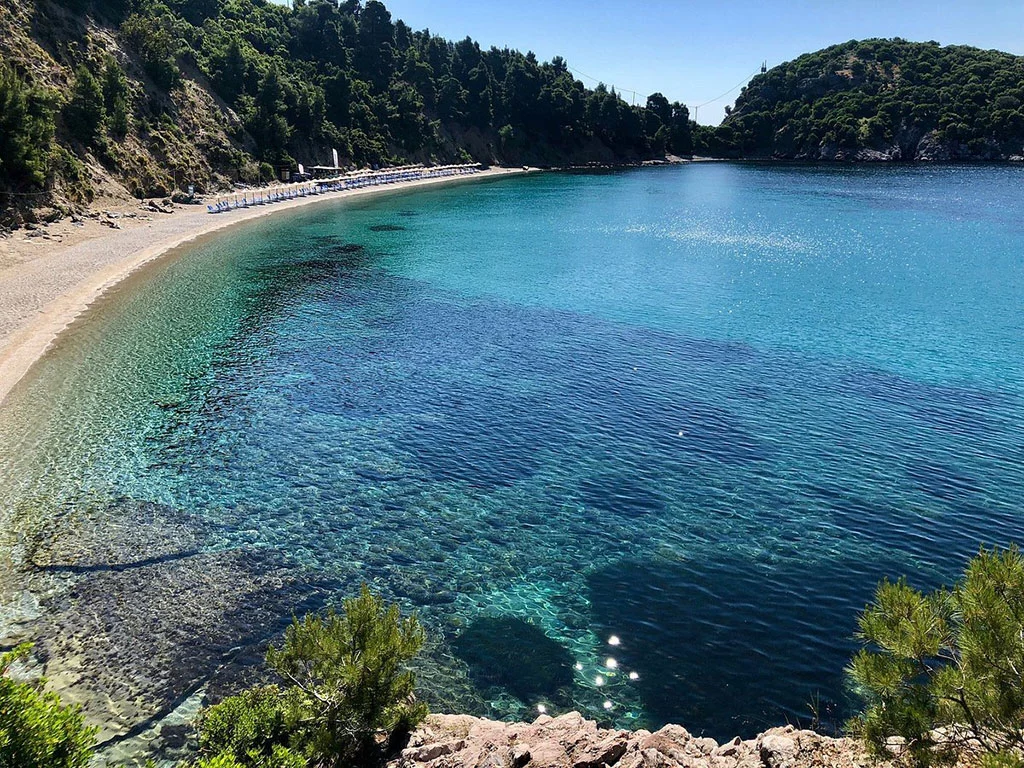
911 144
570 741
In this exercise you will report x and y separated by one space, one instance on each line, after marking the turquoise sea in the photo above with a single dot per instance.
703 409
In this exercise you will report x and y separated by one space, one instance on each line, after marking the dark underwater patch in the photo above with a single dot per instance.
386 228
732 646
152 614
346 248
947 530
941 480
955 410
621 494
513 654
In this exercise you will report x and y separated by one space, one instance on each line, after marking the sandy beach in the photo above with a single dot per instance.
49 276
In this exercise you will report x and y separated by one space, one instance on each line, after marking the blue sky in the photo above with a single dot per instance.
696 51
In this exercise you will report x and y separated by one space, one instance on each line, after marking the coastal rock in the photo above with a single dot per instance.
778 750
571 741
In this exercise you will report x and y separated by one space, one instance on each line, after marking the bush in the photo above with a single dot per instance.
348 693
36 730
219 761
154 39
945 670
350 678
247 727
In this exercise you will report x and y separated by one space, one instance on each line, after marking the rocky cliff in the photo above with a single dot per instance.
570 741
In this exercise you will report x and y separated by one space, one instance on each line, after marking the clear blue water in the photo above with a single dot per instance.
704 409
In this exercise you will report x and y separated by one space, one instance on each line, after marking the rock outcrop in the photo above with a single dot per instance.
570 741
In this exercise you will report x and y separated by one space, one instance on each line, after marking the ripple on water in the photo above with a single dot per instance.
747 642
709 437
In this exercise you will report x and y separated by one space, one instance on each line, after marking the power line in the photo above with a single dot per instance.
740 84
597 80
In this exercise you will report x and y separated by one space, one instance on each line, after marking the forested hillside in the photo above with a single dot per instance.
880 100
152 95
145 97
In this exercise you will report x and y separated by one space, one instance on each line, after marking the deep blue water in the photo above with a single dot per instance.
704 409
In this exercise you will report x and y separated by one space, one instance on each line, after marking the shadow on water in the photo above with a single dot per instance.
515 655
622 494
728 646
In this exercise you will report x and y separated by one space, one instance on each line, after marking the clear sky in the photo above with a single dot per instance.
695 51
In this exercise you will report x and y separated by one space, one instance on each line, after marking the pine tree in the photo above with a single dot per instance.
115 97
85 111
26 130
945 670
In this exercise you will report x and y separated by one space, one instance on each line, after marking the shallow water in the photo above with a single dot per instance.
703 409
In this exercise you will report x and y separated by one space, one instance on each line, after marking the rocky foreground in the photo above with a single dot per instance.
569 741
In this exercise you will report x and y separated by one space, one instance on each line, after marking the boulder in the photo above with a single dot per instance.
572 741
778 750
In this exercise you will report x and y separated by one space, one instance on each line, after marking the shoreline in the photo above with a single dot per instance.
570 740
42 297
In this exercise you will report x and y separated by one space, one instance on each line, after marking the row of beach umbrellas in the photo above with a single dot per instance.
351 180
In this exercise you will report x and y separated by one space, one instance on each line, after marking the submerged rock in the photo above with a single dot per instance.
570 741
141 612
347 248
507 652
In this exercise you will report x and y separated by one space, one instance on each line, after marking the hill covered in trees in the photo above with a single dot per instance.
880 100
152 95
145 97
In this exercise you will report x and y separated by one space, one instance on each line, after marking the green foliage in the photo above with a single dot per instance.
85 113
248 726
347 691
26 130
219 761
880 94
36 730
267 122
944 670
1001 760
349 676
350 73
156 36
115 97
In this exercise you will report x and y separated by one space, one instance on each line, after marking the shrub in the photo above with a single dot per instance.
247 726
348 673
115 97
945 670
347 694
219 761
154 39
279 757
36 730
1002 760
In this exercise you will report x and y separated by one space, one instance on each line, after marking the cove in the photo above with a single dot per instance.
704 409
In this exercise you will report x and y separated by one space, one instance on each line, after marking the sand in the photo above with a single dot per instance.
51 276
